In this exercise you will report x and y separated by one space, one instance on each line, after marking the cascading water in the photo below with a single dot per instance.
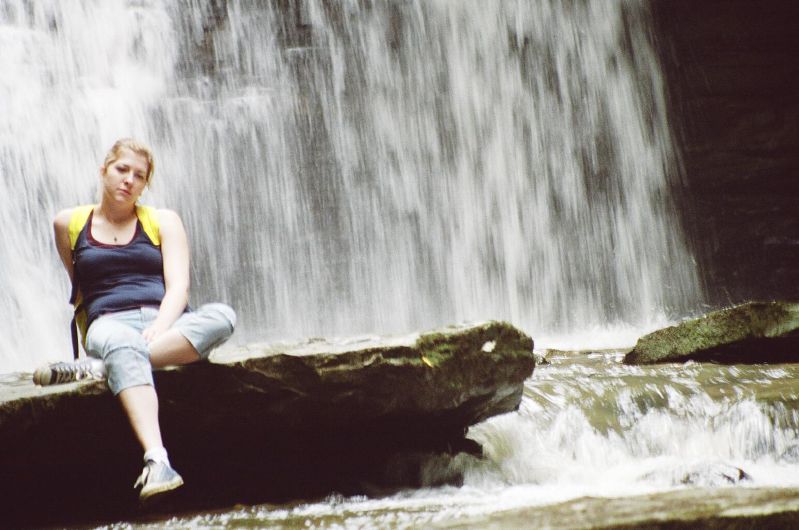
349 167
515 155
595 425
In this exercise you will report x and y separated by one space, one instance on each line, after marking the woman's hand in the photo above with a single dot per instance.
153 331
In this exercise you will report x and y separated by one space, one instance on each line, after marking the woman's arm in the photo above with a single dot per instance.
61 232
175 253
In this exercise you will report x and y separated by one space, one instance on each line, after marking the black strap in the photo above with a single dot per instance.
73 296
74 332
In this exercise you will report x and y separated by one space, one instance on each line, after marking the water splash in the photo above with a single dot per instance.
594 426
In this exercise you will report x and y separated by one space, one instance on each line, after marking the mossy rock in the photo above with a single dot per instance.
754 332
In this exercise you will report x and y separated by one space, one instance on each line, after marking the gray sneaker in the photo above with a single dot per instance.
68 372
156 478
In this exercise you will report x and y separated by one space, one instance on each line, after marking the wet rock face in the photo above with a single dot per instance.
733 82
264 423
755 332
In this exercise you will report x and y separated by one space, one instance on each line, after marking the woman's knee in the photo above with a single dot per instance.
128 367
220 310
207 327
124 352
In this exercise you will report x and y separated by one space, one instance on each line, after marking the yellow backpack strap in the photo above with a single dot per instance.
148 216
77 221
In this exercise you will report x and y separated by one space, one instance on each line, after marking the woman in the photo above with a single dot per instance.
129 266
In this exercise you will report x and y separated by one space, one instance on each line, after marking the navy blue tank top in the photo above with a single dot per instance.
118 277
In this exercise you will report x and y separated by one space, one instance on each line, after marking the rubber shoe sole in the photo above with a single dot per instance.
42 376
150 491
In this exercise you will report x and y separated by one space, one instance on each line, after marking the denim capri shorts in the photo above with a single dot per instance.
117 339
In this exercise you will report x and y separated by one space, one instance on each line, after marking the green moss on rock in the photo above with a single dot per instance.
748 333
484 339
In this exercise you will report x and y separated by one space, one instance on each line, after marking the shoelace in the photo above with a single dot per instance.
68 372
64 373
142 480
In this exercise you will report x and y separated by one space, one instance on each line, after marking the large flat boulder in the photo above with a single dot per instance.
755 332
262 423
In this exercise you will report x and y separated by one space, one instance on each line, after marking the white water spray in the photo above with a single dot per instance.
590 425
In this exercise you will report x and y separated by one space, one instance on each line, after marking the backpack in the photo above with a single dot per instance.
80 216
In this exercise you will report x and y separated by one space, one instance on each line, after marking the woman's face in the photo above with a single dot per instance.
125 177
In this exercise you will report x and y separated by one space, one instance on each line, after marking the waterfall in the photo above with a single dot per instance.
352 167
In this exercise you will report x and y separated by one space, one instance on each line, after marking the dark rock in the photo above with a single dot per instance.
733 85
755 332
263 423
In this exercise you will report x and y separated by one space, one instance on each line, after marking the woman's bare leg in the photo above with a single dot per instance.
207 327
171 349
141 406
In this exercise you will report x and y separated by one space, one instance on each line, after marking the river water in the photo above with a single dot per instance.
386 167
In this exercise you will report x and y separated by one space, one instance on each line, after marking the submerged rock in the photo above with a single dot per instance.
755 332
707 474
263 423
711 475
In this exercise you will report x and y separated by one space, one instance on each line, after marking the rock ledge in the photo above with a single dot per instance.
263 423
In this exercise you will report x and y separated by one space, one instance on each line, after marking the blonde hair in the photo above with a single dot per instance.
135 146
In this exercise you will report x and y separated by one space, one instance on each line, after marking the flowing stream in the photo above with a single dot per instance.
382 167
